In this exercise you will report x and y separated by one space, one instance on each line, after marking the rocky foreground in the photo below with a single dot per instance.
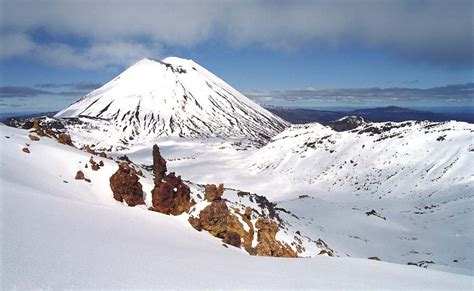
63 233
240 219
236 223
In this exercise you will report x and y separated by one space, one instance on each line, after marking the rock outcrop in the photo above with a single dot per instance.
38 129
223 222
42 129
96 166
217 219
325 249
88 148
65 138
159 165
234 225
213 192
170 195
33 137
268 245
80 176
126 186
213 218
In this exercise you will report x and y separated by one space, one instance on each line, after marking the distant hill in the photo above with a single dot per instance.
379 114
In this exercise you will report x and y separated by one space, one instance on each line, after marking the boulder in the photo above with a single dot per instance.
38 129
235 225
213 218
213 192
220 222
267 244
94 165
79 175
89 149
65 138
26 150
232 238
325 249
126 186
171 196
325 253
195 222
33 137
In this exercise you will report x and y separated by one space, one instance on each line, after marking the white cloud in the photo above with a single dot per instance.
436 31
14 45
97 55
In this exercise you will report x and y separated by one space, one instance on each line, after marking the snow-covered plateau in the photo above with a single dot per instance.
398 193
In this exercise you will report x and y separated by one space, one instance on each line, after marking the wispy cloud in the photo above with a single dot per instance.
96 55
19 91
49 89
436 31
76 86
411 82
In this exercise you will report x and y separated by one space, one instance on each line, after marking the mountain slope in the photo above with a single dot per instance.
59 235
408 159
418 175
173 97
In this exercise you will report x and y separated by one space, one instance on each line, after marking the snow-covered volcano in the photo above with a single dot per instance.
174 97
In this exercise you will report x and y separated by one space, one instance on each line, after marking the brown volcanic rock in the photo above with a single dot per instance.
79 175
232 238
65 138
43 131
38 129
125 185
95 166
33 137
159 165
88 149
229 225
236 226
214 218
213 192
268 245
195 222
218 220
170 195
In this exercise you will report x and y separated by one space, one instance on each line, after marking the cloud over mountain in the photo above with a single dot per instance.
437 32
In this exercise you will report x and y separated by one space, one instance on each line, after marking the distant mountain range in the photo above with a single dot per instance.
379 114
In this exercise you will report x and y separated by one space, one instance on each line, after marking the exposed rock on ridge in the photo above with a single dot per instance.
236 228
126 186
170 195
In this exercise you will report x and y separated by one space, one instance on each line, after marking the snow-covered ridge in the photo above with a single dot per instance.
380 159
55 226
172 97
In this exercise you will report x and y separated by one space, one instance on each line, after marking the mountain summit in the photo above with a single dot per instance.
174 97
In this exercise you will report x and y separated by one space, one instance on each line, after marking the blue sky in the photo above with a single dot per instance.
270 50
